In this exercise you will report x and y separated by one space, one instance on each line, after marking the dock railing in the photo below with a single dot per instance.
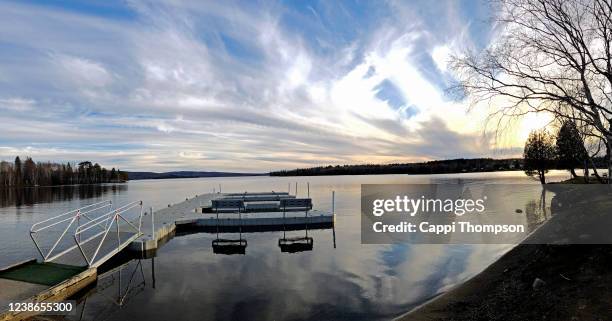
88 223
106 222
71 218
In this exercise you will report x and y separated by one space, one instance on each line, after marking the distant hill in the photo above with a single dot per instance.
460 165
185 174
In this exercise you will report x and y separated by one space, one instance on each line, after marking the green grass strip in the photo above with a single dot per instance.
42 273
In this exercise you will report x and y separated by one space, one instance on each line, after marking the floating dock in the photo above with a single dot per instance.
259 222
196 214
67 271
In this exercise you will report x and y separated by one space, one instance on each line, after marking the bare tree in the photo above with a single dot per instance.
551 56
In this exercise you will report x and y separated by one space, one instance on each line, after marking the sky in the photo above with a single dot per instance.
248 86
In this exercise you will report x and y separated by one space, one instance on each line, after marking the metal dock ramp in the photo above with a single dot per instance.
72 246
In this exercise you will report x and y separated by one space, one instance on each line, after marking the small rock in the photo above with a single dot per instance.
538 283
518 210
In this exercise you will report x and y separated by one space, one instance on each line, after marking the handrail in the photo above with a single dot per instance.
66 219
108 202
77 212
93 223
105 217
103 221
62 218
112 216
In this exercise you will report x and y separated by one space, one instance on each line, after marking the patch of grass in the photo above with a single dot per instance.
42 273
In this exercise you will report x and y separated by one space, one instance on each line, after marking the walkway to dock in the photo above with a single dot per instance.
165 219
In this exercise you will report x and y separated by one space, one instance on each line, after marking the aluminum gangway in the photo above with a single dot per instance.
90 235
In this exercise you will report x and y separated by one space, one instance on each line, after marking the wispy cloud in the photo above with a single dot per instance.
236 85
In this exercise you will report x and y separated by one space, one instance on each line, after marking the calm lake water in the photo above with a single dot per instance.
187 281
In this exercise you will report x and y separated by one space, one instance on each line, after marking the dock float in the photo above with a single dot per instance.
261 212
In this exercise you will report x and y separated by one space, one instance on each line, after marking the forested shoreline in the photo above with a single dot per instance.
430 167
460 165
28 173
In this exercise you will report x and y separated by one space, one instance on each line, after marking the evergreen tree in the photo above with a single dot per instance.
29 172
17 176
570 147
113 175
539 154
69 175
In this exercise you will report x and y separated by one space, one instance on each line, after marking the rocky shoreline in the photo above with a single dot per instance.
537 281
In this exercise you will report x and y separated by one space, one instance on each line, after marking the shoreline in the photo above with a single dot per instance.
507 290
534 281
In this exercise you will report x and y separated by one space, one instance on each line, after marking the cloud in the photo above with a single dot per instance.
17 104
226 86
83 72
441 55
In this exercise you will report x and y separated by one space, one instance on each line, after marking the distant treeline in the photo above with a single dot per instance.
460 165
432 167
29 173
185 174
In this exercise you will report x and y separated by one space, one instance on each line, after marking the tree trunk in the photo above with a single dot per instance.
595 172
573 172
608 149
542 174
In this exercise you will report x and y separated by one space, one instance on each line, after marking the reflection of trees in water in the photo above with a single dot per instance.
35 195
536 211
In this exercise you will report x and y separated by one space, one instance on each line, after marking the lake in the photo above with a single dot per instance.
339 279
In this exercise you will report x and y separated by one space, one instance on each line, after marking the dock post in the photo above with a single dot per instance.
118 238
295 189
289 188
153 270
334 214
334 202
140 218
219 188
308 189
153 224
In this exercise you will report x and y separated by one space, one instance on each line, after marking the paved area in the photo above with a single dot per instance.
169 215
166 218
183 210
